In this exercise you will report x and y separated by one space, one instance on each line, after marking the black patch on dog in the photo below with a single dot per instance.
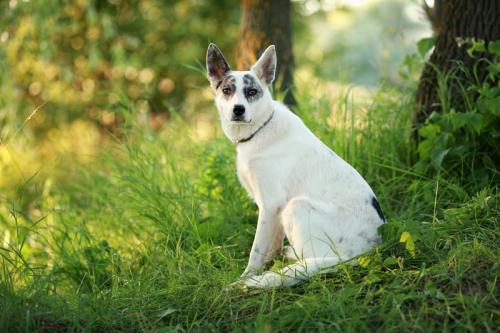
378 209
228 83
249 85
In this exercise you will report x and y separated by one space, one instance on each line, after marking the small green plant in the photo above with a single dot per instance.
464 141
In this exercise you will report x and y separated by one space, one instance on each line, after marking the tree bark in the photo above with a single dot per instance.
266 22
459 21
435 14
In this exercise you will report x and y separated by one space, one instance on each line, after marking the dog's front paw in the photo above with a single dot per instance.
236 285
242 282
246 286
249 272
257 282
241 285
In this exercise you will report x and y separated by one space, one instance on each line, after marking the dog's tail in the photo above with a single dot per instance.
292 274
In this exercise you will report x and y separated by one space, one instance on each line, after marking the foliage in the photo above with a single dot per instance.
78 58
463 140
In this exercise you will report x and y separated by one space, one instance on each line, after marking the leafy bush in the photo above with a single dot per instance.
463 140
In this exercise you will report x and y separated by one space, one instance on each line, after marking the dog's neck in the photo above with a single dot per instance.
244 132
250 137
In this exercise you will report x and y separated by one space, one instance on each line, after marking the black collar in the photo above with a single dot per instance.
257 131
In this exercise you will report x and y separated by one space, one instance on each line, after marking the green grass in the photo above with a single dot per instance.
147 235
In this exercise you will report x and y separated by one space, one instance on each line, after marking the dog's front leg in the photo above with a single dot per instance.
265 241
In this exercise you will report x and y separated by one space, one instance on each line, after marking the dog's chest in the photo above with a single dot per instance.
247 175
263 173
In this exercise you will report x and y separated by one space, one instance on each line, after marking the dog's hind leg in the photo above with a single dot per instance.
292 274
313 229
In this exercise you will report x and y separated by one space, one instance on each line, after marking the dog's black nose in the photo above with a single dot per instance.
238 110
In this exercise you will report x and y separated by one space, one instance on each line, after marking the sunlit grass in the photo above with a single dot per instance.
141 230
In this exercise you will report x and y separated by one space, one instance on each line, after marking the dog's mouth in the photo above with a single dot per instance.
237 119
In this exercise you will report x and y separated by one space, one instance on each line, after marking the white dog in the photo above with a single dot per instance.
304 191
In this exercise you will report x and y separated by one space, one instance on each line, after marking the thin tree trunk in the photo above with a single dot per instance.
266 22
461 21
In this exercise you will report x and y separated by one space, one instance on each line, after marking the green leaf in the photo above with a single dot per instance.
438 157
166 312
407 239
457 120
430 131
435 116
477 122
477 46
494 47
425 44
473 120
391 261
364 261
493 70
425 149
493 105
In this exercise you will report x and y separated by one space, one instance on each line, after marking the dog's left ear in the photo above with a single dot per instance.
265 67
217 66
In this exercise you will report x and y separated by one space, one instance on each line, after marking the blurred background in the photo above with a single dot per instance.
76 60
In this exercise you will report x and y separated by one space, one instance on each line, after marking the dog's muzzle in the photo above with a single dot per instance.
238 113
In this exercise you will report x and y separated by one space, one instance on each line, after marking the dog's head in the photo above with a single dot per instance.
242 97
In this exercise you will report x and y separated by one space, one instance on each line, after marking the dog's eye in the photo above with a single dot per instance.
226 91
252 92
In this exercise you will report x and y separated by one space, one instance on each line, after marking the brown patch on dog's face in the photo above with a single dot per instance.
228 86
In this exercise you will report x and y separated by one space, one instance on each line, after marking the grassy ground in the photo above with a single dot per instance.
146 234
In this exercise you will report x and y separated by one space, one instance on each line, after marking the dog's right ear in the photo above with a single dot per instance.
217 66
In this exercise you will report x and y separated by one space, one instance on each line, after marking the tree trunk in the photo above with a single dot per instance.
435 14
266 22
461 21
